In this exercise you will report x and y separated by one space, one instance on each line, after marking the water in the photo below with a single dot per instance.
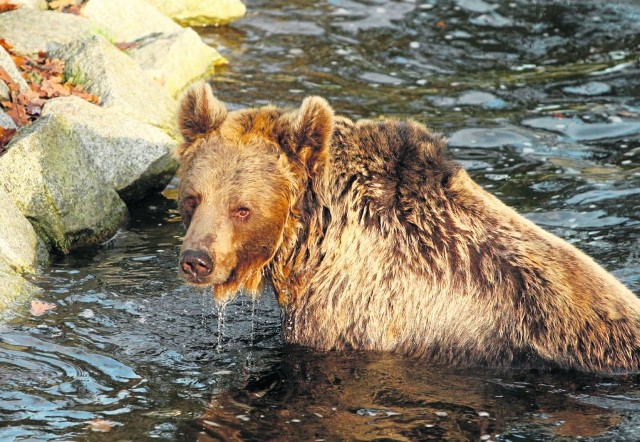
540 100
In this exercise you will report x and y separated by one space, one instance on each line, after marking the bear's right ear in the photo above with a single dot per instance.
200 113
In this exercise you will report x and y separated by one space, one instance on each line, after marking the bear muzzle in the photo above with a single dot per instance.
195 266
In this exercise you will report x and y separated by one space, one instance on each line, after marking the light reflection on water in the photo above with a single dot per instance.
540 101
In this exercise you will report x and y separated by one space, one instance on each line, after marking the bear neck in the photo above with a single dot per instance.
345 180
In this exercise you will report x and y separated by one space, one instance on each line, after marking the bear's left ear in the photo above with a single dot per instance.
200 113
312 129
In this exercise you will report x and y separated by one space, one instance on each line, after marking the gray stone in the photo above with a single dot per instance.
128 20
31 30
13 287
50 178
6 121
6 63
175 60
120 83
20 246
134 158
201 12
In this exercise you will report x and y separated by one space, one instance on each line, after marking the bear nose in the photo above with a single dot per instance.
196 263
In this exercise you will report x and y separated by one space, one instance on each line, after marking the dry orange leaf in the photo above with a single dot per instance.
5 137
7 6
39 308
101 425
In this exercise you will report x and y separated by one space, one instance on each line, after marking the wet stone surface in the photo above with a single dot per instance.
541 101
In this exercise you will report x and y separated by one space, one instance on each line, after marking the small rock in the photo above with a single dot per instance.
201 13
87 313
175 60
128 20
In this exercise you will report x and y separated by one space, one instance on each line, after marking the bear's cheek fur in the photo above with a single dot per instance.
257 240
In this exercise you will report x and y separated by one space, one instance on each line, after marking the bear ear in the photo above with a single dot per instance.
312 129
199 113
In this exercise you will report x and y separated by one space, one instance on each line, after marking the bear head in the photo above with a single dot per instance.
243 174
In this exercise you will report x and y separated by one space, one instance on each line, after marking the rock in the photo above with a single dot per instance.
20 246
13 286
128 20
175 60
201 13
50 178
31 31
6 121
120 83
6 63
134 158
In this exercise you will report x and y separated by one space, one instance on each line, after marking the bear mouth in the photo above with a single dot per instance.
209 280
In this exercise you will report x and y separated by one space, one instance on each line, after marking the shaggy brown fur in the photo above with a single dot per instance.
375 240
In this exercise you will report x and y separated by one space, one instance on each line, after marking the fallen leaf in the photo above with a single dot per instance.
123 46
5 44
7 6
5 136
101 425
39 308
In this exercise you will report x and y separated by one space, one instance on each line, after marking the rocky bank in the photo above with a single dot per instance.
66 179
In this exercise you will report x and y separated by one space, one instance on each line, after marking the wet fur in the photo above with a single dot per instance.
388 245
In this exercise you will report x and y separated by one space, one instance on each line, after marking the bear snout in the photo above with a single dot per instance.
196 265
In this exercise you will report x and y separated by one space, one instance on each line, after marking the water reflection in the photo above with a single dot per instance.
540 100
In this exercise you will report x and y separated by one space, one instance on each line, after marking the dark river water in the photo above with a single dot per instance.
540 101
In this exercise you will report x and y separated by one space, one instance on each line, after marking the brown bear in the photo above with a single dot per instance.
374 239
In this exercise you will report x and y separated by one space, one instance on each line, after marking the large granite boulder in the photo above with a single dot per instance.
31 30
51 179
128 20
13 286
121 84
20 246
133 158
175 60
201 12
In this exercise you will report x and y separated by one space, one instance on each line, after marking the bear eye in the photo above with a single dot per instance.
189 205
242 213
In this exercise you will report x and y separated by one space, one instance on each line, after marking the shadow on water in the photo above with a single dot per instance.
541 102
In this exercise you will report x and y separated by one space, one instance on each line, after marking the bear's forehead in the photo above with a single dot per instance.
221 169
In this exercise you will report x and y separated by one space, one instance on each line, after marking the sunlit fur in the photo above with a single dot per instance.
380 242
